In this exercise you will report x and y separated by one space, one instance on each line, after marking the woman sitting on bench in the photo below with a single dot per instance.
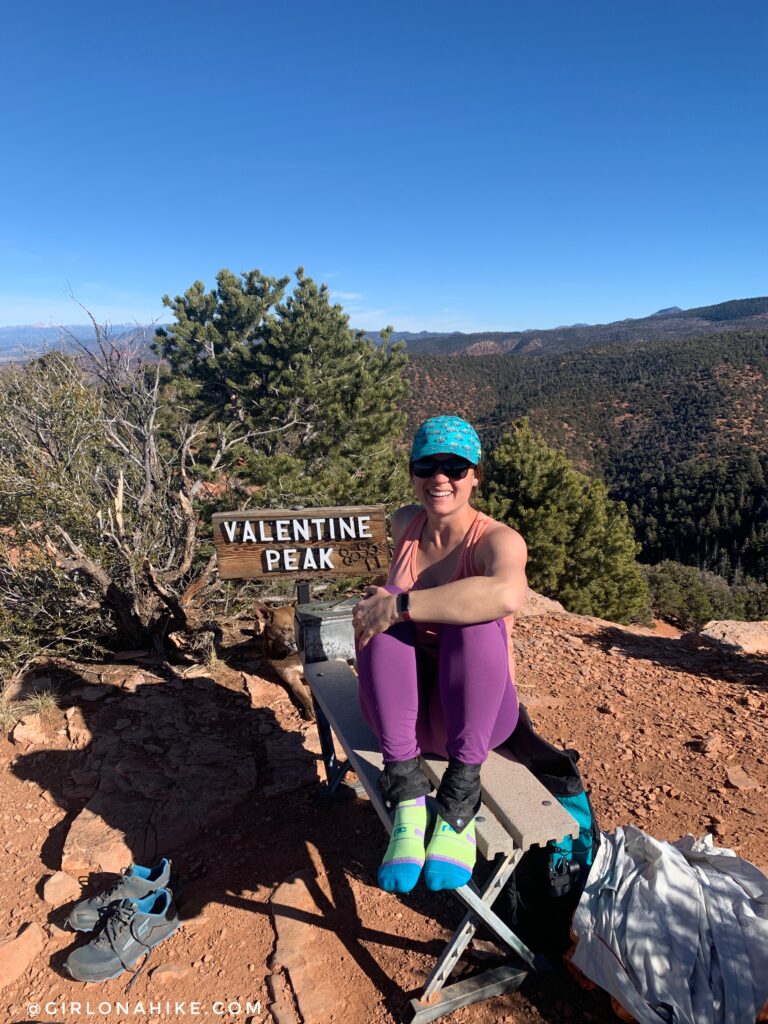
433 656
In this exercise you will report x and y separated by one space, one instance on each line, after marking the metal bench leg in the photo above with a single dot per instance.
436 998
334 771
497 926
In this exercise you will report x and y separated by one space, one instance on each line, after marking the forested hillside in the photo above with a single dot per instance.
259 391
678 429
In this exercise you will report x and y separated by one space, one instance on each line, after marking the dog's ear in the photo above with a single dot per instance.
263 615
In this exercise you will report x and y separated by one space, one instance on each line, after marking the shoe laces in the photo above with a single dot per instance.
119 917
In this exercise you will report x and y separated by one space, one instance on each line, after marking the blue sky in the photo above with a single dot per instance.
441 165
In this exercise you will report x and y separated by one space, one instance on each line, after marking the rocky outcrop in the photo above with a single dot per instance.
537 604
737 637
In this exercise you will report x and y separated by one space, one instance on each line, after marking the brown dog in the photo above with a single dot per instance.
281 653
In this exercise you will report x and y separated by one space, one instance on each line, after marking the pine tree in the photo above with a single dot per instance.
580 543
321 405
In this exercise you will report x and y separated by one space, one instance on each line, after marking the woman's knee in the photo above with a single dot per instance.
396 646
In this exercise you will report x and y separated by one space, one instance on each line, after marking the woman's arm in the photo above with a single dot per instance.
500 556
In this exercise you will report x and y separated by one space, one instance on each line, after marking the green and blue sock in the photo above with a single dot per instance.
404 859
450 857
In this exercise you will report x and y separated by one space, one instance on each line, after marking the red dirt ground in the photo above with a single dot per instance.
166 758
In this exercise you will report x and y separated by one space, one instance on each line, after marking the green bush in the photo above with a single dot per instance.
580 543
689 597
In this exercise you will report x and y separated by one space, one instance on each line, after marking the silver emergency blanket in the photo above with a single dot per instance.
677 932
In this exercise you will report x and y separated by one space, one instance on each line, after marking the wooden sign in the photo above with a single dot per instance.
308 544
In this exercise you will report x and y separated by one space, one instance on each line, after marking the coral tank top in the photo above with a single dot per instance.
402 574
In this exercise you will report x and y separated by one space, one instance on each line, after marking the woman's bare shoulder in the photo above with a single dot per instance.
402 519
498 538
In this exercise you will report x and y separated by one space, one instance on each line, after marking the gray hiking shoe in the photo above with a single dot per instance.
134 884
131 929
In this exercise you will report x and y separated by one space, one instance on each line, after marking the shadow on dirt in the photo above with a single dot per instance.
687 654
187 767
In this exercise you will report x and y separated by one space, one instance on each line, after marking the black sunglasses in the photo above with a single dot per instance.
454 469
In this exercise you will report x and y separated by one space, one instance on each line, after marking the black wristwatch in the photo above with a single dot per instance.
402 607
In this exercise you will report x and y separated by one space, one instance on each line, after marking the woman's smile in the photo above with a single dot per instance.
439 494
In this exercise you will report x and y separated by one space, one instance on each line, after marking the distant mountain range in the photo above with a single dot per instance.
22 342
670 323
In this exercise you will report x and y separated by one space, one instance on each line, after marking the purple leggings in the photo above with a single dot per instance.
460 705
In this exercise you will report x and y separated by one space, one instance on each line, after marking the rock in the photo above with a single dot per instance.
83 777
574 641
57 934
281 1000
60 889
751 700
537 604
739 779
93 846
17 952
78 732
737 637
204 683
718 826
482 949
132 682
29 732
709 744
304 948
90 693
168 972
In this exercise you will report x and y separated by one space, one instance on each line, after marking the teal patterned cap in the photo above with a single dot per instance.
446 434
